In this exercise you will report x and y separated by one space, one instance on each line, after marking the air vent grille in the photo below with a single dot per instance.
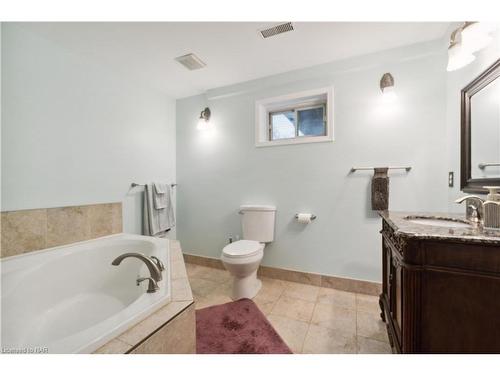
191 61
275 30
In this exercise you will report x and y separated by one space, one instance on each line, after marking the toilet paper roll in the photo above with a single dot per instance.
304 218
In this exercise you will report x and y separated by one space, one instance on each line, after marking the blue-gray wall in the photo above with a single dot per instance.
76 133
219 171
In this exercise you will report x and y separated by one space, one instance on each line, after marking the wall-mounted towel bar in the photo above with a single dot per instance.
354 169
134 184
484 165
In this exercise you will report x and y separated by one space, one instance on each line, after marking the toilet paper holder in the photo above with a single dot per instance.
312 216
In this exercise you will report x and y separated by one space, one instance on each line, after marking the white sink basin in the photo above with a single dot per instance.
439 222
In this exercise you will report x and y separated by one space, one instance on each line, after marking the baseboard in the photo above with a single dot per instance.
326 281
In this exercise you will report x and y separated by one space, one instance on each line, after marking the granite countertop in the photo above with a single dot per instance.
406 228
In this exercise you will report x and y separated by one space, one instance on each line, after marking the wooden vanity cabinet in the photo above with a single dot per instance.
440 296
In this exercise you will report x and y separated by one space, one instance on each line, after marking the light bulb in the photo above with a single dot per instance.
475 37
389 94
203 125
458 57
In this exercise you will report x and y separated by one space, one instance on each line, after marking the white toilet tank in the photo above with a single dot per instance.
257 222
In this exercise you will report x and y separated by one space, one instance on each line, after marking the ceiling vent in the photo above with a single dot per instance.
275 30
191 61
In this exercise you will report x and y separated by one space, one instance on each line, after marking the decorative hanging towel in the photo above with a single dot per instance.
380 190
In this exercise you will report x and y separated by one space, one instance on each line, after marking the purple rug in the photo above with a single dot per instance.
236 328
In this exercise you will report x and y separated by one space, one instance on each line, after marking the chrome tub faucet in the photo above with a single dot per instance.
155 267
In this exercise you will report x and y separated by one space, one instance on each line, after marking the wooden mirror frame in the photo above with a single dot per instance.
467 183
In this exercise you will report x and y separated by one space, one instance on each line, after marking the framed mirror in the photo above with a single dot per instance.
480 132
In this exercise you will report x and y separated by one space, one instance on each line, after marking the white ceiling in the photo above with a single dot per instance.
234 52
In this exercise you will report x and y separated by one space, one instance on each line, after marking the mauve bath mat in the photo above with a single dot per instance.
236 328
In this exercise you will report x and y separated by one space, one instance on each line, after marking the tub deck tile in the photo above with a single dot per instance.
152 323
176 337
181 290
114 346
177 269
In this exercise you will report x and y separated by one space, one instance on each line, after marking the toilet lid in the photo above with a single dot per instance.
242 248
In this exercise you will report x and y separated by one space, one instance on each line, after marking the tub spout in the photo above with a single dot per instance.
152 286
152 267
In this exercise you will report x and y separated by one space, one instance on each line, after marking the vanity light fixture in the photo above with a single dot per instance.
387 87
204 120
458 56
475 36
466 40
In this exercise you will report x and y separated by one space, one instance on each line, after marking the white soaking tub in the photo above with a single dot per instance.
70 299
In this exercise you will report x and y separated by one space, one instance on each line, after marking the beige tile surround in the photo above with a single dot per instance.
29 230
169 330
339 283
176 337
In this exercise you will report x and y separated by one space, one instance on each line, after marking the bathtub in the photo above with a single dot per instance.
70 299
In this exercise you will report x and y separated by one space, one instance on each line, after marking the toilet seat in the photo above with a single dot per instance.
242 249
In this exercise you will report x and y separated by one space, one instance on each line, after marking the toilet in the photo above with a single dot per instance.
242 258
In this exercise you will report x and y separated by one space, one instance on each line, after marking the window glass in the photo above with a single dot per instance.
311 122
283 125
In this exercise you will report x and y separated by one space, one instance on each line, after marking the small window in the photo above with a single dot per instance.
297 118
298 122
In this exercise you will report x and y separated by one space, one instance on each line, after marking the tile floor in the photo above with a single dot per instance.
309 318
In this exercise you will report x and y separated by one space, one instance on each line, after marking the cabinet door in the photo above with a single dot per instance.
397 295
386 269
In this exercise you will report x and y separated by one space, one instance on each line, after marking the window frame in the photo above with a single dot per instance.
296 109
296 102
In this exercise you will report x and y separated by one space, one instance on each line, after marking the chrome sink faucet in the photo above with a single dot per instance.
474 210
155 268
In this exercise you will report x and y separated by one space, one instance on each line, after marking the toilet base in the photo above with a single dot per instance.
246 287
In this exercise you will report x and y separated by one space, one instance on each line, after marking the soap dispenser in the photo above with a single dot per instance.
492 208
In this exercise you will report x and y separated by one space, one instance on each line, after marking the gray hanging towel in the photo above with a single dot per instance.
160 197
167 218
380 190
156 222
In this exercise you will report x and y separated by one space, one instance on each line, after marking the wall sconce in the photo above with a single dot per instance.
387 87
464 41
204 120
